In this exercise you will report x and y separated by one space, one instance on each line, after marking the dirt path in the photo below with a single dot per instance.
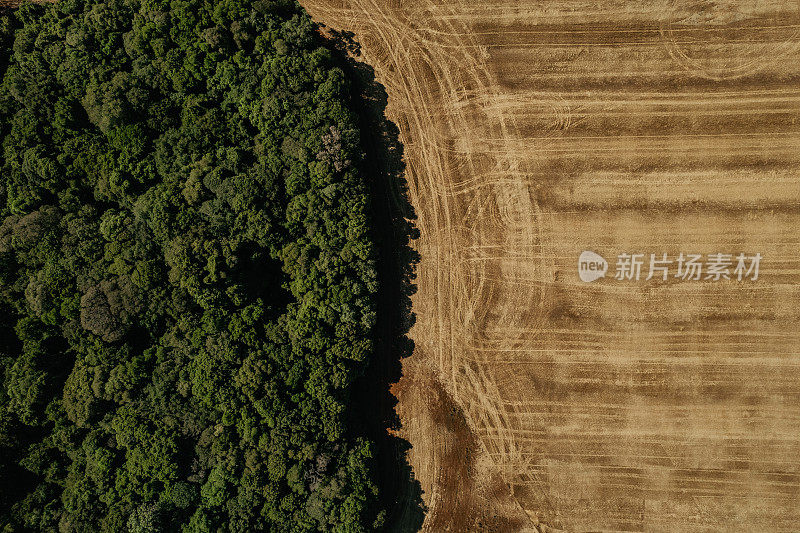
534 130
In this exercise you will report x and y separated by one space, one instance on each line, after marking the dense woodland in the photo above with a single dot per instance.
187 276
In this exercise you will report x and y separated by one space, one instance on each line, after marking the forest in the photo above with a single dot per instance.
187 272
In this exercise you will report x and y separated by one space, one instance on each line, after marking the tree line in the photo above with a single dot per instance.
187 276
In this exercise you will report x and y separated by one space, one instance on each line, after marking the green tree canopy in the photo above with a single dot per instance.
187 279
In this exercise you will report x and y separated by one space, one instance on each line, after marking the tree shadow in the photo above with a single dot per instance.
394 229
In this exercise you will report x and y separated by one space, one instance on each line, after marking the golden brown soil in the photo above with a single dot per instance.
534 130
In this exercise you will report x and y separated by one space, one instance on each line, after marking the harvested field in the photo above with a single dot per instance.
534 130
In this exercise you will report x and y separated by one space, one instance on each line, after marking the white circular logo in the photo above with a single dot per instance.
591 266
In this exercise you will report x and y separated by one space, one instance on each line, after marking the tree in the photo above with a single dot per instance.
97 316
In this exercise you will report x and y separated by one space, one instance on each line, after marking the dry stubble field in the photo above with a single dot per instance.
533 130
